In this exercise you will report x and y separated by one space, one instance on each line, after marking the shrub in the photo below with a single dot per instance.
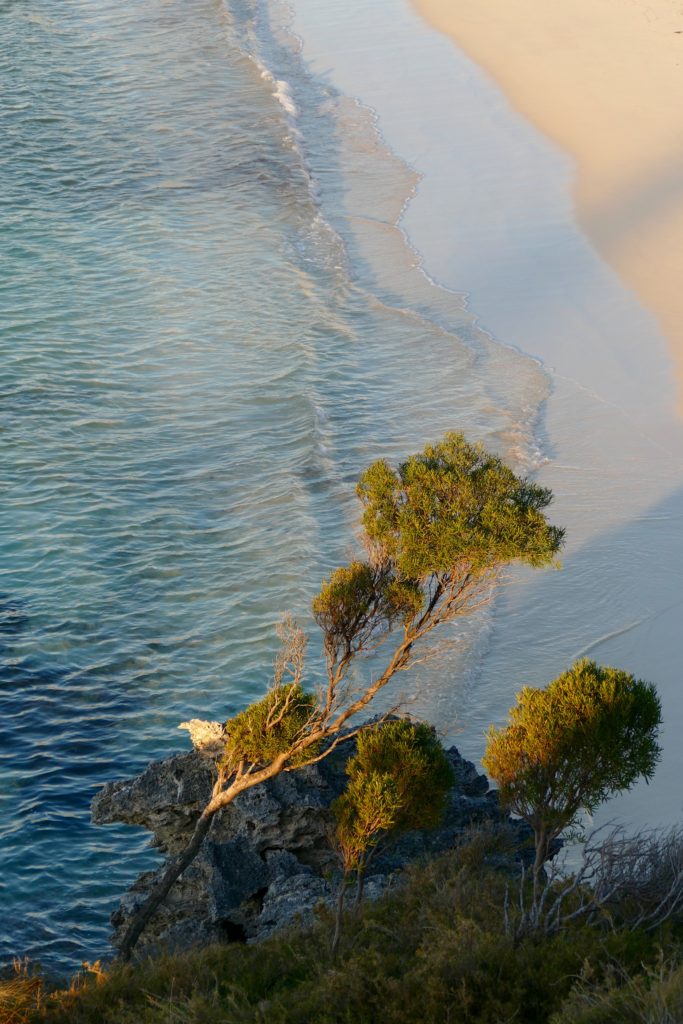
270 726
653 996
591 733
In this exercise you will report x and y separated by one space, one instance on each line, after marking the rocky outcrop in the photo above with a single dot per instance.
267 861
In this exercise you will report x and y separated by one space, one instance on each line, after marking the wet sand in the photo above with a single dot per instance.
604 80
493 218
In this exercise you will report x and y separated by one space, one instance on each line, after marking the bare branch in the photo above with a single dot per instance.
636 879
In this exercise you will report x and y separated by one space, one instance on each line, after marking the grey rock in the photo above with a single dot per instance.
468 780
292 900
236 873
267 861
167 798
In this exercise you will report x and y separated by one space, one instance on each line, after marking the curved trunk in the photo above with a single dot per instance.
219 801
161 890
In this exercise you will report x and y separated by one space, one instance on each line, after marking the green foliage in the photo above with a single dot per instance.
413 756
452 503
270 726
360 602
653 996
591 733
433 950
365 812
399 780
438 530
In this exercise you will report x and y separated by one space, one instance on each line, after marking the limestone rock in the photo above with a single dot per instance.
208 737
267 861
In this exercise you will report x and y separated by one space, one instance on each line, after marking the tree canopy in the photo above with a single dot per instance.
438 531
590 733
399 779
269 727
455 503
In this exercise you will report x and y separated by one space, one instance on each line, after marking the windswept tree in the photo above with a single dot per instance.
398 781
589 734
438 531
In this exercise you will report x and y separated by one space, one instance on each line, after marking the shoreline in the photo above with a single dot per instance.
493 220
604 81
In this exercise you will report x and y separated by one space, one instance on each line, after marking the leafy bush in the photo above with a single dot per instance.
404 766
654 996
270 726
399 780
434 949
590 733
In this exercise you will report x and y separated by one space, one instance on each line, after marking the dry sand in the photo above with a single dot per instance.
492 219
604 80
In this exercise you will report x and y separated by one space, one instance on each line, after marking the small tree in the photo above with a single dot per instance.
438 531
361 820
399 781
589 734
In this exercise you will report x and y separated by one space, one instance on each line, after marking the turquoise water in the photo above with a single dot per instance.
192 374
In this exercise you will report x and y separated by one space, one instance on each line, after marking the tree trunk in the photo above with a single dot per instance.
161 890
360 881
219 801
340 911
542 845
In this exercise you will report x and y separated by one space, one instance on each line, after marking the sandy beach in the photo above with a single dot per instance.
492 218
604 80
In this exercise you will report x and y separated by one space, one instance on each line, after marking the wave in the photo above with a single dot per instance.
371 245
192 379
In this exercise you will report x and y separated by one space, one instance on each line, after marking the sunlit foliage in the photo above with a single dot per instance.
591 733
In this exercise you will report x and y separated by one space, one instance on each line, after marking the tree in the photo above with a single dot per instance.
399 779
438 530
589 734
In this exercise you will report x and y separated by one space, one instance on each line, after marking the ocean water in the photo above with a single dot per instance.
209 324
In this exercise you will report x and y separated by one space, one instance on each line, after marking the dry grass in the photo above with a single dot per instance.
25 996
20 994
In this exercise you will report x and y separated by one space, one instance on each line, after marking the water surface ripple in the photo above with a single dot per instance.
189 385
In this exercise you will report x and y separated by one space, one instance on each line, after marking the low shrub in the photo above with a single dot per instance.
433 949
653 996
